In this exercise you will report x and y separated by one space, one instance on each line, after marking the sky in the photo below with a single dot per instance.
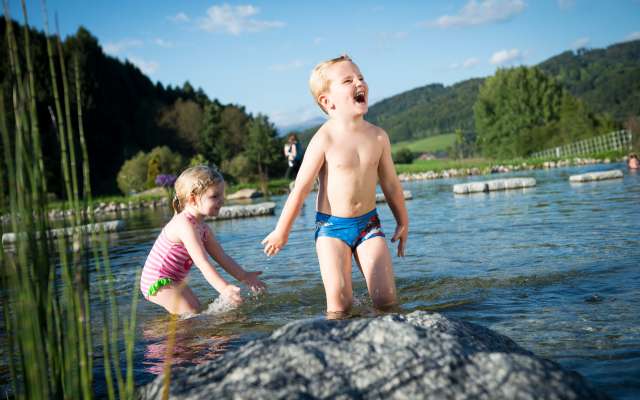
259 54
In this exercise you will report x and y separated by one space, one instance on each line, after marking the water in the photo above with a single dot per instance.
554 267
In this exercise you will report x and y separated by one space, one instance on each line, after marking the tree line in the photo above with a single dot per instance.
570 96
126 114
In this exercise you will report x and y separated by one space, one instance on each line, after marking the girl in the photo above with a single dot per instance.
186 240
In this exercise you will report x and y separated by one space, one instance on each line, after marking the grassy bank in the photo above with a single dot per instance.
438 165
427 145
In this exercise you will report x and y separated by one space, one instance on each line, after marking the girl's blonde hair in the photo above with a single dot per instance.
318 81
194 181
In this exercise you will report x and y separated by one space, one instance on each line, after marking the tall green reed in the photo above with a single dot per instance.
45 283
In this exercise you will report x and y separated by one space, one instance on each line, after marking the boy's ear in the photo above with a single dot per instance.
324 101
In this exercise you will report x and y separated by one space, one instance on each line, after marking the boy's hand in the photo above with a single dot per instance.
232 293
401 234
274 242
252 281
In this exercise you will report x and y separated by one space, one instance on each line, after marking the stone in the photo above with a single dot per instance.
415 356
107 226
245 211
405 193
596 176
493 185
245 194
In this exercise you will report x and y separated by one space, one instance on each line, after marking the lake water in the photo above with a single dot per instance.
555 267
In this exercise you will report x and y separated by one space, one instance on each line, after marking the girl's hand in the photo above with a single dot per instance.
232 293
252 281
274 242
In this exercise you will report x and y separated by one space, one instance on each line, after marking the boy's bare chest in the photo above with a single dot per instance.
354 155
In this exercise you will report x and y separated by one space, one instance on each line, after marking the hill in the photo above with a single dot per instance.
607 80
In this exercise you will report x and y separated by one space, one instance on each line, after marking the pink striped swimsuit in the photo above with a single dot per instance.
168 262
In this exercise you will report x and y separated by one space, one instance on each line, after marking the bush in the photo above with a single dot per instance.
403 156
239 168
140 172
133 174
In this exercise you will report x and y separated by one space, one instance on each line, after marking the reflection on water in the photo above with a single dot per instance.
554 267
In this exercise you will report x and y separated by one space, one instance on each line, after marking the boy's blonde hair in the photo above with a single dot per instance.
194 181
318 81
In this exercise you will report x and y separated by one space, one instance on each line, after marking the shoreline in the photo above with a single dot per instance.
110 207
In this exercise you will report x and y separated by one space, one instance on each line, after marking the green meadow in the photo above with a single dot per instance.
427 145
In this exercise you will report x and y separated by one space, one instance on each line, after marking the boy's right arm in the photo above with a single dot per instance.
311 165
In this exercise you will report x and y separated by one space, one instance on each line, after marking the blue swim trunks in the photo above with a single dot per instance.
352 231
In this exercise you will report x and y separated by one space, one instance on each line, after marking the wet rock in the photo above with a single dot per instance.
594 298
251 210
108 226
245 194
493 185
420 355
596 176
405 193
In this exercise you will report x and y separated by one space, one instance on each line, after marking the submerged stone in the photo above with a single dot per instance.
596 176
420 355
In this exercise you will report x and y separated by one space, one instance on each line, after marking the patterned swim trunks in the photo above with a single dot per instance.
352 231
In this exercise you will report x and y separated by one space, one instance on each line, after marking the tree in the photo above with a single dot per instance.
510 105
263 148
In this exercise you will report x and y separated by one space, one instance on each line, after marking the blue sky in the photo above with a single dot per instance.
259 53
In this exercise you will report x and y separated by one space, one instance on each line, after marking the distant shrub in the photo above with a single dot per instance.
162 161
403 156
133 174
198 159
140 172
239 167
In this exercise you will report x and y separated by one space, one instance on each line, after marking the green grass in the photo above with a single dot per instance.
427 145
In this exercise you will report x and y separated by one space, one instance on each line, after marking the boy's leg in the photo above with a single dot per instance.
177 299
335 267
375 263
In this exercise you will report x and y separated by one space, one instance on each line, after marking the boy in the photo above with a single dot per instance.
349 156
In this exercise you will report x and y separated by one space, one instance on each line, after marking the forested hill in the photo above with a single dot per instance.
124 111
607 80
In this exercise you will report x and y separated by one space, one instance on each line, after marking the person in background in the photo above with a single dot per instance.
293 152
633 162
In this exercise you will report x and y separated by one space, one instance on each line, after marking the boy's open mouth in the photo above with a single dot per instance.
360 96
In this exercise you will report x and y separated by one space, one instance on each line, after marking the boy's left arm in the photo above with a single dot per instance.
249 278
392 189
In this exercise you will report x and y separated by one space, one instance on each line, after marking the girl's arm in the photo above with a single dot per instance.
392 189
188 234
250 278
311 164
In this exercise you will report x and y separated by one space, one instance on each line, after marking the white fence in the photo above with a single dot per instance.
618 140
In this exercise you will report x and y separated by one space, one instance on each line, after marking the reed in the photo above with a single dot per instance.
45 283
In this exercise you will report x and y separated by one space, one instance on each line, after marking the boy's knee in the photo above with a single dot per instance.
384 299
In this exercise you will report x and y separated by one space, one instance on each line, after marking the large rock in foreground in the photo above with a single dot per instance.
420 355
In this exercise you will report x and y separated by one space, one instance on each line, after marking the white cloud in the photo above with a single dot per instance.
163 43
580 43
235 20
566 4
179 17
115 48
503 57
466 64
295 64
482 12
307 115
318 40
147 67
632 36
